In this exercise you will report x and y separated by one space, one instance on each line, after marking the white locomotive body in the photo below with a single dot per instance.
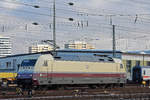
48 71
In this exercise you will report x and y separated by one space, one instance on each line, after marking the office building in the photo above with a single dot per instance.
5 46
78 45
40 48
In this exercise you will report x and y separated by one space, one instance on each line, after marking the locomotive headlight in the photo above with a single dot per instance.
34 79
40 74
125 75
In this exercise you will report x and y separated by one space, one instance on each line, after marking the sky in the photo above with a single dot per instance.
92 23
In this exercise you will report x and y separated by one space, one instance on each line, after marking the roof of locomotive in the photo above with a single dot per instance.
87 51
64 50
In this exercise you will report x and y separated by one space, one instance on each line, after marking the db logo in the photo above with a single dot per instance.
87 67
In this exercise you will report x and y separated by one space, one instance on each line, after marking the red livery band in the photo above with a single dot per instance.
146 76
122 75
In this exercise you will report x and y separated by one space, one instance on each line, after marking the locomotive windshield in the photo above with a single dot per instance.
28 62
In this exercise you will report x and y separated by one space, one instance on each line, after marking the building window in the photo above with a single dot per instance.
128 65
148 63
84 46
137 63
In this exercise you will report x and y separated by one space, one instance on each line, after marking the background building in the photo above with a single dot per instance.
5 46
78 45
40 48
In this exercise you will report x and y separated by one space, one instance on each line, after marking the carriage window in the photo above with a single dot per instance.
45 63
18 67
137 63
148 63
14 63
128 65
144 72
8 64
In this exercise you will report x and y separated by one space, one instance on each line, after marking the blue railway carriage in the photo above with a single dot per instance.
141 74
9 67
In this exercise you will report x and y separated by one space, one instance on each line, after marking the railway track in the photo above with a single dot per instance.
145 96
126 92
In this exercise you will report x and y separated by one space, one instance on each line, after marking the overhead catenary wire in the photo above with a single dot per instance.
77 11
25 4
82 12
116 15
128 28
122 27
31 12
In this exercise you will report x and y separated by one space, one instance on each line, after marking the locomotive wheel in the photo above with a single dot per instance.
61 87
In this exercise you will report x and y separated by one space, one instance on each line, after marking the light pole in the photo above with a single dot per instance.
114 42
54 25
143 54
114 37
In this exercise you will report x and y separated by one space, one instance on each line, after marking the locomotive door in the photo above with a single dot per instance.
45 71
50 71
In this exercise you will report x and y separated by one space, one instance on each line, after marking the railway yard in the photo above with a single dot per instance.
42 77
76 50
129 92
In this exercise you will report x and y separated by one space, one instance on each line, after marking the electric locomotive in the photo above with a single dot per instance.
55 72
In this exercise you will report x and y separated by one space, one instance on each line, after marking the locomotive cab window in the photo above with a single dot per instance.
28 62
121 66
148 63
